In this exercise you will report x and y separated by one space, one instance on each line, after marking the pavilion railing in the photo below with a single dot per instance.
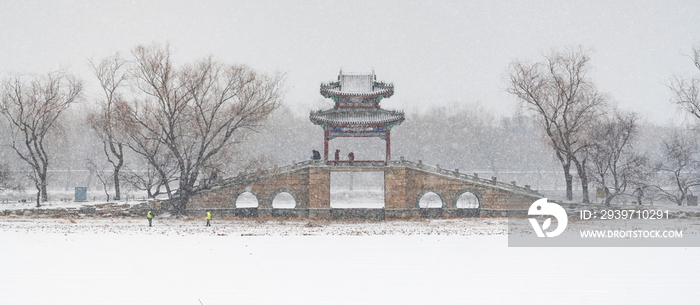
357 162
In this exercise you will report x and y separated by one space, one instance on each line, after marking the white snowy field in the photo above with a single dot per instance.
466 261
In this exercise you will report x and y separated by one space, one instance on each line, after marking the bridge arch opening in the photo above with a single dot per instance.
467 199
430 199
283 199
247 200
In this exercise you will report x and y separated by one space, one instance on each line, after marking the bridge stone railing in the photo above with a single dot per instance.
475 178
246 177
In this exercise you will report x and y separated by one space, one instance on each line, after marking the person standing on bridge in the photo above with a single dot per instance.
337 154
149 215
351 157
208 218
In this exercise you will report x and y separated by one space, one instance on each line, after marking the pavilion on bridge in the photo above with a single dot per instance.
357 113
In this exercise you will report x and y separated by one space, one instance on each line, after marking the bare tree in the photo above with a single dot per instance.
615 164
146 178
196 110
6 179
102 175
105 121
33 108
212 172
679 171
687 90
160 167
565 102
153 171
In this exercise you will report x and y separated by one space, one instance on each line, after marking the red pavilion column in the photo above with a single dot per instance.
388 147
326 134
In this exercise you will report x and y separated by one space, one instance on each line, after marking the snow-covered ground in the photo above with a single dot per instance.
465 261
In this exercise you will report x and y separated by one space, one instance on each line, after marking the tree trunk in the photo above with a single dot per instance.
581 169
569 185
584 189
566 166
117 191
43 183
180 204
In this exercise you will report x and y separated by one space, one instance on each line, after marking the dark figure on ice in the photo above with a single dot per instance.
351 157
639 194
150 218
208 218
337 154
315 155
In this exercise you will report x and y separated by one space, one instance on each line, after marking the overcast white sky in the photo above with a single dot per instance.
435 52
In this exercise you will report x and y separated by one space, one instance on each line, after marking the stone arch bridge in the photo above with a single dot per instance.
405 183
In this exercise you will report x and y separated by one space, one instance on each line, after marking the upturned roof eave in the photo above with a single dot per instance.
333 123
334 92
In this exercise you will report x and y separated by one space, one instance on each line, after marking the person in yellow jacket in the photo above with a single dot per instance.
150 218
208 218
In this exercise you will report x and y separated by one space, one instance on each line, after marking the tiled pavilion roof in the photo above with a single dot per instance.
357 117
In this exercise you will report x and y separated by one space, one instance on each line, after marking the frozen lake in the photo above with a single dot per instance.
428 262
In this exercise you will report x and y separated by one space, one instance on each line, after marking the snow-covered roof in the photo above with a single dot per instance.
357 84
355 116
